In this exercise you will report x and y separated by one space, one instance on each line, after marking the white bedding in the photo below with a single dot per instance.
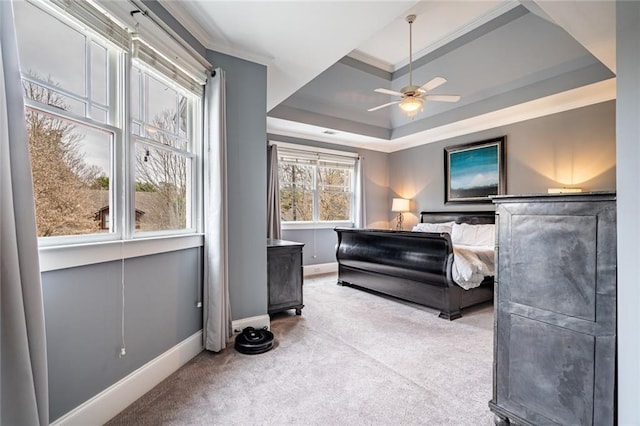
471 264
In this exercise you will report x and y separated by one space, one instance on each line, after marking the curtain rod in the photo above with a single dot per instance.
314 150
168 31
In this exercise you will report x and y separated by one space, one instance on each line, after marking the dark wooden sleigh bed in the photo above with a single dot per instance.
414 266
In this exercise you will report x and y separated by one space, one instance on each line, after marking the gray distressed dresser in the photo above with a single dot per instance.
555 310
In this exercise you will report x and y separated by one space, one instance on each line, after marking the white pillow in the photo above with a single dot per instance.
473 235
433 227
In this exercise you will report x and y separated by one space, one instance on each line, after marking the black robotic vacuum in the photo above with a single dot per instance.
252 341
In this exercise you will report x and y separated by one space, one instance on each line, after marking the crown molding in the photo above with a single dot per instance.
241 54
371 60
206 38
186 21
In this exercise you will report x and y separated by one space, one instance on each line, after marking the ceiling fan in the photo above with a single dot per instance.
412 96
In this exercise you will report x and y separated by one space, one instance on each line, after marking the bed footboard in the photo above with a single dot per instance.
414 266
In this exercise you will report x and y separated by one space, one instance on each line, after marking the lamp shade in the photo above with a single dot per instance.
400 205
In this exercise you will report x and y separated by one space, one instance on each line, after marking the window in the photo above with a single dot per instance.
315 187
87 168
71 122
163 136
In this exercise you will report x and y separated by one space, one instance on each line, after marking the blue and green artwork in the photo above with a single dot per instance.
473 172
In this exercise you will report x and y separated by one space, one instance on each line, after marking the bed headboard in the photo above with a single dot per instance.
474 218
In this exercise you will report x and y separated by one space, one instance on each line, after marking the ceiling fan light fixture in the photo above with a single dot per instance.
411 105
412 97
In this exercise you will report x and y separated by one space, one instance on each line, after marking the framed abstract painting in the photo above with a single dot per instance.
475 171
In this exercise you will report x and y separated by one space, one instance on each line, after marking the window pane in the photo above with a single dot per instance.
165 138
98 73
71 166
335 206
184 117
99 114
49 49
162 112
52 98
161 189
162 108
296 205
136 75
296 191
334 185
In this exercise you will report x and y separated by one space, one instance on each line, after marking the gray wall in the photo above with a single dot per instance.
572 148
628 104
176 26
320 243
83 320
246 183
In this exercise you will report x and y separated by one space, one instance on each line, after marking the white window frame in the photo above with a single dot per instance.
316 223
193 153
115 60
122 241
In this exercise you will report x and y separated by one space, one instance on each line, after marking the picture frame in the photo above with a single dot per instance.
475 171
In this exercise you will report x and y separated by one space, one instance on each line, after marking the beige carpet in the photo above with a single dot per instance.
352 358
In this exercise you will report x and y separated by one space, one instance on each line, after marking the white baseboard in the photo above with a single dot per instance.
257 322
321 268
108 403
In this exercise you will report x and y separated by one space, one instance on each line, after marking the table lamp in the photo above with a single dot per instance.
400 205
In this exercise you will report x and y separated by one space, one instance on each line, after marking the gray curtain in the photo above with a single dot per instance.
274 229
23 355
217 308
360 205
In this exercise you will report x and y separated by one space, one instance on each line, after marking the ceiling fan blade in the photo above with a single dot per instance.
442 98
383 105
433 83
388 92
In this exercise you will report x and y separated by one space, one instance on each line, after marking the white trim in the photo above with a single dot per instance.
309 148
257 322
361 56
71 256
108 403
207 39
186 21
320 268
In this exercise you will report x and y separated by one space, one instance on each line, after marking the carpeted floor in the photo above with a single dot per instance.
352 358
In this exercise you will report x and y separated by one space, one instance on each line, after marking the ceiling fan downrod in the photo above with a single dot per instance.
410 19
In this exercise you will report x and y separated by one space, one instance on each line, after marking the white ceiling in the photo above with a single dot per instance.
298 40
437 23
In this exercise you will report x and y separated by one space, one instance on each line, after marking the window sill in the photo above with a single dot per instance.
71 256
314 225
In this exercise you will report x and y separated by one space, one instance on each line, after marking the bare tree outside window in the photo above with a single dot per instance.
334 187
314 190
161 179
296 191
63 181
